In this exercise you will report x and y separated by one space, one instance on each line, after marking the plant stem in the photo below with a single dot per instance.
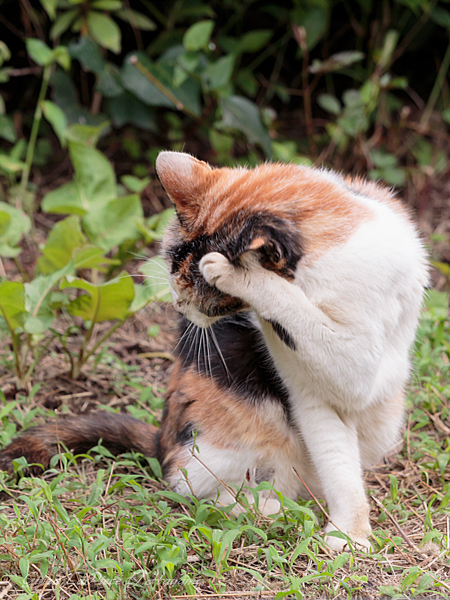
436 88
161 87
300 38
103 339
84 355
35 127
39 353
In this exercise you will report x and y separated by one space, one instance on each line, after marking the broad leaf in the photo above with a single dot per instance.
91 257
38 301
57 119
104 31
254 40
50 7
94 183
127 109
136 19
111 224
14 224
39 52
87 52
329 103
7 130
11 165
104 302
62 23
152 83
218 74
198 35
12 304
135 184
242 114
337 61
63 239
107 4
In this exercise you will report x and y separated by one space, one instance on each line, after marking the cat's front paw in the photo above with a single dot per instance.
218 272
359 539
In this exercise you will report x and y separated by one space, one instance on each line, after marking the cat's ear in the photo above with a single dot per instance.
183 178
268 247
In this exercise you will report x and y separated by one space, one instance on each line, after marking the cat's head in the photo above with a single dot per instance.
231 211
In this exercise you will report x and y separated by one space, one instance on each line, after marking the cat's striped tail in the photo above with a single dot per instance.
118 432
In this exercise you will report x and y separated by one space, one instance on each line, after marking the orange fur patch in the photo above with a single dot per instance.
320 204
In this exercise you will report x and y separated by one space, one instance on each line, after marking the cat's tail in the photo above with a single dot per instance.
118 432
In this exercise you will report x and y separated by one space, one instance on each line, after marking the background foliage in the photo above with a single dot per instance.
91 91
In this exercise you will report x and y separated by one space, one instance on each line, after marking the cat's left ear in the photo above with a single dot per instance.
183 178
268 247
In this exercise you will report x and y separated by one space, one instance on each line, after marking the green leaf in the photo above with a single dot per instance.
136 19
62 57
218 74
91 257
104 31
5 53
12 304
108 82
254 40
135 184
242 114
13 229
50 7
62 23
389 45
57 119
126 108
441 17
7 130
337 61
11 165
152 83
39 52
109 225
38 300
63 239
87 52
94 183
107 4
104 302
329 103
198 35
315 22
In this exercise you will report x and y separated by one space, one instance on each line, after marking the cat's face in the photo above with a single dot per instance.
231 211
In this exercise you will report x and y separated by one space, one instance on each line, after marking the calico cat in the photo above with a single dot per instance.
301 292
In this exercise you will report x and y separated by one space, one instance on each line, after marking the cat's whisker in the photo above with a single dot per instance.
216 344
141 256
187 334
209 351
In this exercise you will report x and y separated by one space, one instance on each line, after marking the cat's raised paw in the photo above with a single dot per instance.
215 268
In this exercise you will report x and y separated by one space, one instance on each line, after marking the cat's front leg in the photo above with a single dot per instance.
334 450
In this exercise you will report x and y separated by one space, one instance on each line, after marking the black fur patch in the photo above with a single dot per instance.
184 436
283 334
249 371
234 238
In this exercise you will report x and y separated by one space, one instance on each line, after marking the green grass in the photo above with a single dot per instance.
104 528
